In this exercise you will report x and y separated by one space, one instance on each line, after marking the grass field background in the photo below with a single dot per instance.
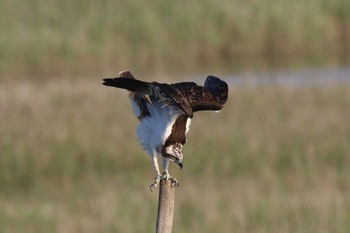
275 159
43 39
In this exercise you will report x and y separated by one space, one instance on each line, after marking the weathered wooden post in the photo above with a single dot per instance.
165 206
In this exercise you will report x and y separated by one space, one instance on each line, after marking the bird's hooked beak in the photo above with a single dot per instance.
179 162
173 153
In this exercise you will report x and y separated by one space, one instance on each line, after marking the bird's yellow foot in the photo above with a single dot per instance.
174 182
155 184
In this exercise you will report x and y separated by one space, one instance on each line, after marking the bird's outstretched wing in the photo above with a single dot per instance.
161 92
212 96
139 99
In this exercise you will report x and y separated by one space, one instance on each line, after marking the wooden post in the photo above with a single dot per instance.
165 207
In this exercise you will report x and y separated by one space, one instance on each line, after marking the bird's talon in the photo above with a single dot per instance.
155 184
165 176
174 182
152 186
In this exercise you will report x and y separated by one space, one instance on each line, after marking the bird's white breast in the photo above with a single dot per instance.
153 131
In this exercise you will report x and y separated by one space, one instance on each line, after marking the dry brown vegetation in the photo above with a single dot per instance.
274 160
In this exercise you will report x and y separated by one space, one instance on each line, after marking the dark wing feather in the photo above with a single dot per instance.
133 85
161 92
140 99
212 96
169 95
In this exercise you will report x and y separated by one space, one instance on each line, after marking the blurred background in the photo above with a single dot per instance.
275 159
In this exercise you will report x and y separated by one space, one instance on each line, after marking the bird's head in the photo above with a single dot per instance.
173 152
216 85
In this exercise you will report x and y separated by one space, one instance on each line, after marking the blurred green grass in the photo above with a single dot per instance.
46 38
273 160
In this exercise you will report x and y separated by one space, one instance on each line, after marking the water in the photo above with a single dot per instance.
307 77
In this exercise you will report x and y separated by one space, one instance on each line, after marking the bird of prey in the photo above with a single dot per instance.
165 112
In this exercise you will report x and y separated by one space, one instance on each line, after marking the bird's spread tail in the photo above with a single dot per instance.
133 85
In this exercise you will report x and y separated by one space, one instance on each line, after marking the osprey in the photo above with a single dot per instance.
165 112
